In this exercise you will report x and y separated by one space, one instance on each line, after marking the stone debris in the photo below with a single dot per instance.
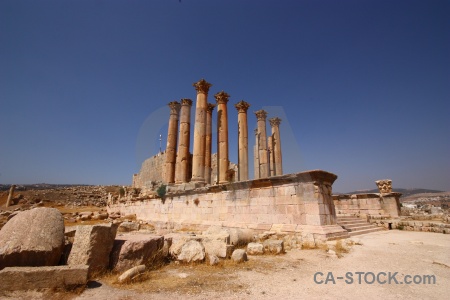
30 278
239 256
136 249
131 273
32 238
213 260
255 249
273 246
128 226
92 246
192 251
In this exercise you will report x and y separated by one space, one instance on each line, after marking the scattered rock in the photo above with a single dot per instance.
192 251
32 238
273 246
239 256
213 260
255 249
136 249
128 226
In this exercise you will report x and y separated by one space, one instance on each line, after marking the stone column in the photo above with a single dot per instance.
209 110
277 157
184 140
172 142
256 155
270 154
222 136
198 158
261 115
242 108
10 195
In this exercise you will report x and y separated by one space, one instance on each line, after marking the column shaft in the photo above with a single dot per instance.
262 145
277 155
256 155
209 110
222 136
172 142
198 159
184 139
242 108
271 157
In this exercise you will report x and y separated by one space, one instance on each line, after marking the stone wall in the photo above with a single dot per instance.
299 203
411 225
153 171
368 204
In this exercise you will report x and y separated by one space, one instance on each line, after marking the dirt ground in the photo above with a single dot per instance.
291 276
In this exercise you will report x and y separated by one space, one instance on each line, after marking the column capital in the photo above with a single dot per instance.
202 87
210 107
261 115
174 107
186 101
242 106
221 97
275 122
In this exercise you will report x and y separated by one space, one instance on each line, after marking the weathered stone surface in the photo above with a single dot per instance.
92 246
255 249
178 241
32 238
136 249
213 260
129 274
217 245
273 246
239 255
29 278
192 251
128 226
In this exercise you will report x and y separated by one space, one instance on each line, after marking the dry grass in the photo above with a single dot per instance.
189 278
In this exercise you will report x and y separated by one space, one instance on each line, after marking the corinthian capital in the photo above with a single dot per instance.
221 97
242 106
210 107
174 107
202 86
261 115
186 101
275 122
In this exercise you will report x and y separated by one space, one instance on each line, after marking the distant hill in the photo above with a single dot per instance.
38 186
405 192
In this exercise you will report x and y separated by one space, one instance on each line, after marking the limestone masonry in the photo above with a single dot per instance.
180 189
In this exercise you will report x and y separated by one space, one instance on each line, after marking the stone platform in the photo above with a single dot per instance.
300 203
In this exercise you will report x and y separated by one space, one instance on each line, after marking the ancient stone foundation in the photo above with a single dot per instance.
368 204
298 203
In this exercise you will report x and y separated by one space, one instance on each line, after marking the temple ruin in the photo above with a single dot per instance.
180 189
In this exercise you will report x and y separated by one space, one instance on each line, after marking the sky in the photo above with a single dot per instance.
362 87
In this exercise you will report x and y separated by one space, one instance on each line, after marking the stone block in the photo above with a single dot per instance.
31 278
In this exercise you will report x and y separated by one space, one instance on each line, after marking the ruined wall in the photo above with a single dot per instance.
299 202
368 204
152 170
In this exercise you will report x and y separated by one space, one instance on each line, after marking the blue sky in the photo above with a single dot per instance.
363 87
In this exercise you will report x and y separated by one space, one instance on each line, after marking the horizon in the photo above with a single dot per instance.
361 86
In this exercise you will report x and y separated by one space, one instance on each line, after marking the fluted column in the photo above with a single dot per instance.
222 136
184 139
261 115
277 156
198 159
208 147
172 142
242 108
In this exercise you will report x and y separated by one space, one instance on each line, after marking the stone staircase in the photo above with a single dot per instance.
357 226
